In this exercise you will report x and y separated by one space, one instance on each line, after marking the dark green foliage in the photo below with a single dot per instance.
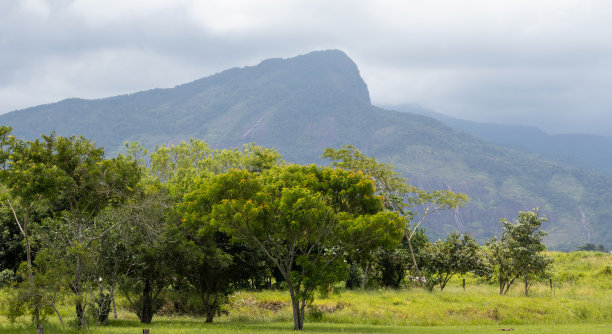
7 278
391 266
589 247
101 307
354 277
12 251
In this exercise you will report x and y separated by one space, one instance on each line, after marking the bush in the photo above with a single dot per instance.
7 277
314 314
355 277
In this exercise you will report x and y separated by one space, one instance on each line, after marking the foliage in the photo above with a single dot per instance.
399 196
304 218
590 247
518 253
444 259
208 260
70 182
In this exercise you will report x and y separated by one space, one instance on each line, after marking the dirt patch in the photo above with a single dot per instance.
493 313
272 305
331 308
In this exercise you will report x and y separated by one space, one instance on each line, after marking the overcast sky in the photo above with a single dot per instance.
546 63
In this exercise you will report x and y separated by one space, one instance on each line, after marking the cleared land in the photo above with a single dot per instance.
580 302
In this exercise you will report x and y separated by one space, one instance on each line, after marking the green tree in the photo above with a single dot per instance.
148 251
27 184
445 259
304 218
208 261
518 253
79 183
398 194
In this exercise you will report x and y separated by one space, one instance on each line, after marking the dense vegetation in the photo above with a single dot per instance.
579 303
156 229
301 106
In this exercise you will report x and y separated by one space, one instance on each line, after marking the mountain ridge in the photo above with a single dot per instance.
304 104
584 151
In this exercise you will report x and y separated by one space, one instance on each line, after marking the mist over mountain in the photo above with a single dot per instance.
585 151
307 103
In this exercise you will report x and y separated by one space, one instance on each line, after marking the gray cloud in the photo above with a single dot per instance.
545 63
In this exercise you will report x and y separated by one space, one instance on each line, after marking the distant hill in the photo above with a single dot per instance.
584 151
304 104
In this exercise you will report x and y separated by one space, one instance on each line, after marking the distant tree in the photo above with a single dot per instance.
590 247
304 218
455 255
518 253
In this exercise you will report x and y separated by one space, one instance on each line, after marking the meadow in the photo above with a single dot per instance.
580 302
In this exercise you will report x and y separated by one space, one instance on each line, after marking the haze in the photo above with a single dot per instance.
544 63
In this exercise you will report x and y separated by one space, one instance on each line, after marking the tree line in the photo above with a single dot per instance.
187 220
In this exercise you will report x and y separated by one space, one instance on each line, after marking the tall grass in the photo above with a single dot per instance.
580 301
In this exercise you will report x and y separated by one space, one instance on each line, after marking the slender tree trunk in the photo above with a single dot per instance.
414 263
364 280
147 302
211 308
526 286
298 321
112 296
302 309
80 312
59 316
509 284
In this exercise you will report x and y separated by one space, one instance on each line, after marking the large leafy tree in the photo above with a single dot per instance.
147 251
304 218
77 182
27 185
205 257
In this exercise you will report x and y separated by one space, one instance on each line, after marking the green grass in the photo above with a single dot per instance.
183 326
581 302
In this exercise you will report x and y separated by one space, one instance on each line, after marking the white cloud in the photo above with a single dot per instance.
487 60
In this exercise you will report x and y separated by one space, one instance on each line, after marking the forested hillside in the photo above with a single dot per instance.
578 150
302 105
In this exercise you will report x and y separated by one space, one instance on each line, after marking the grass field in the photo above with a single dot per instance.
580 302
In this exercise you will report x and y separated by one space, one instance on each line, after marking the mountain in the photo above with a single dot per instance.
304 104
578 150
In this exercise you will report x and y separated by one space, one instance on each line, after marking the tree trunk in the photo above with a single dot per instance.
364 280
80 312
211 307
146 313
414 263
526 286
24 231
79 308
112 296
298 320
